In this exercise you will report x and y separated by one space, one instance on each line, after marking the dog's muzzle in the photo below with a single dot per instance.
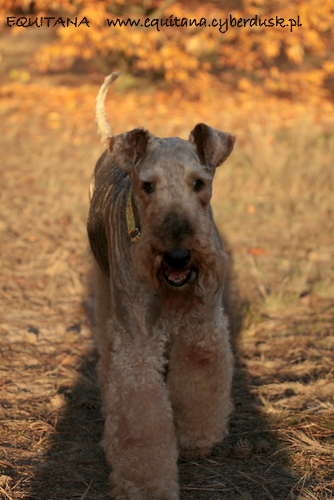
176 272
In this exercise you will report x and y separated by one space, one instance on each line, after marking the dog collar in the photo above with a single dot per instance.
130 220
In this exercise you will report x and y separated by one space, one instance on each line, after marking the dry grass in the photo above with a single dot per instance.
273 202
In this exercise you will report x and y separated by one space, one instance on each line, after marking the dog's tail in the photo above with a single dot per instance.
103 127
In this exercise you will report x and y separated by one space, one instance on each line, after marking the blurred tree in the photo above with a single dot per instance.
278 57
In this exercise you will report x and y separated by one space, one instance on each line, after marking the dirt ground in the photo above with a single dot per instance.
280 230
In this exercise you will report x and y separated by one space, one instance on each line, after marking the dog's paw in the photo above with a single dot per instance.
196 452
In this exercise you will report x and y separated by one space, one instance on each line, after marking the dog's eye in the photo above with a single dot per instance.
198 185
148 187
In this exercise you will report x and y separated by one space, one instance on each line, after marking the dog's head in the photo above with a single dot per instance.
178 250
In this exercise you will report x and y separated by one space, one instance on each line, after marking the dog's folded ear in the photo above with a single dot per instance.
128 148
213 146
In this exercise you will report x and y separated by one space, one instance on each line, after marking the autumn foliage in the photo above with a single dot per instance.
291 61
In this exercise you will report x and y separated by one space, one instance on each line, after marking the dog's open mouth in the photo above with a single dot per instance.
178 277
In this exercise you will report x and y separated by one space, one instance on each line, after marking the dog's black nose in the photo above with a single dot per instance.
177 258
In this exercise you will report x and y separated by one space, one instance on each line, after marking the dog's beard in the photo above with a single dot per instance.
179 290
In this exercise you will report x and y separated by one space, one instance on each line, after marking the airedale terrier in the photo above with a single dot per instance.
166 365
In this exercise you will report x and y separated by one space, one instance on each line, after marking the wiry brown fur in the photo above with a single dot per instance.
207 261
165 369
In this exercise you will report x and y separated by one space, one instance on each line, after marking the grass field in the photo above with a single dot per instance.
273 202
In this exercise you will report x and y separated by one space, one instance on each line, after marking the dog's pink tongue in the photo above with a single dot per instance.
177 274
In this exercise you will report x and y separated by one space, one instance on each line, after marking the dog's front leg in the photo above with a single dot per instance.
139 437
199 383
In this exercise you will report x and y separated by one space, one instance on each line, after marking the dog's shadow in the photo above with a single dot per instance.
247 465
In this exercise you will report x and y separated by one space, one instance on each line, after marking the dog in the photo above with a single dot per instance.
166 365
